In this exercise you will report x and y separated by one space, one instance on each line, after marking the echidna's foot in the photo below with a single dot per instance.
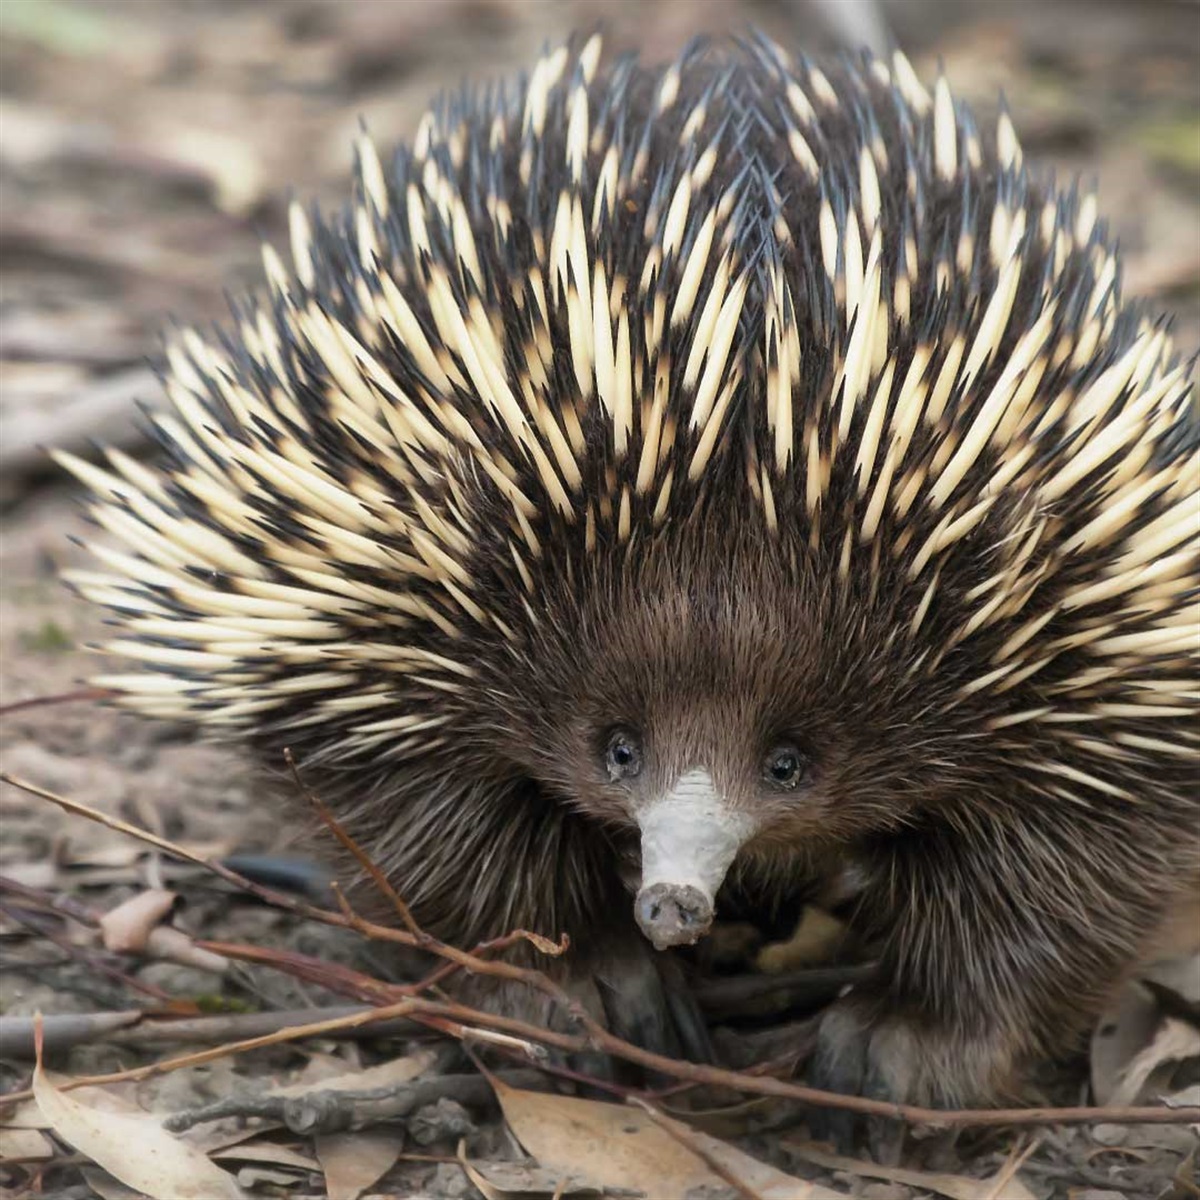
520 1002
648 1001
633 991
863 1050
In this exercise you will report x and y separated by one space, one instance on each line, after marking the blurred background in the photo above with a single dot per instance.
145 145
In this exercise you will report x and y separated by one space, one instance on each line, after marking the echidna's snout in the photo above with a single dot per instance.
673 914
689 838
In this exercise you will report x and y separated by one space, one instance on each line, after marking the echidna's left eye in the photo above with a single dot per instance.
785 767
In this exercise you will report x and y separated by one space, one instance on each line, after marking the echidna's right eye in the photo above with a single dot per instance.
623 756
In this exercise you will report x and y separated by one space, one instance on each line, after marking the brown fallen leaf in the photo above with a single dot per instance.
29 1144
1003 1186
334 1078
106 1187
1120 1034
619 1146
1173 1042
134 1148
352 1162
268 1152
523 1180
126 928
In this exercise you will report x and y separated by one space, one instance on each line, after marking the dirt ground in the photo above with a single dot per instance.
146 145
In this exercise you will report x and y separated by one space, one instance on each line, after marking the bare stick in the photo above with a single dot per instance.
594 1036
57 698
363 859
689 1142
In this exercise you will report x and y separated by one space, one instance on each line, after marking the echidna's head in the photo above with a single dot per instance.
717 703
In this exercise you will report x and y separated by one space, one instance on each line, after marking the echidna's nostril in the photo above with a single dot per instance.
673 914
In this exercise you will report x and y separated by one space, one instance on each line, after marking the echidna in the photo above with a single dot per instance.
662 478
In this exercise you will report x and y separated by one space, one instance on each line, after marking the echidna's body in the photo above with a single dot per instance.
745 461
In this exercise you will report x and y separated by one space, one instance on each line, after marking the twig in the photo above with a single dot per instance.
590 1081
692 1144
89 956
594 1036
67 906
302 908
363 859
58 698
336 978
1015 1161
154 1032
61 1031
331 1110
200 1057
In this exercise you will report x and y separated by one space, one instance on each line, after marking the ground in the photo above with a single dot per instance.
145 147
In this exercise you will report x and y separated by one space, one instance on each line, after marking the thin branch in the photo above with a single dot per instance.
692 1144
91 958
593 1036
363 859
289 1034
58 698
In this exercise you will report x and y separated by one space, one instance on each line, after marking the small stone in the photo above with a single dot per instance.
445 1121
1110 1135
1098 1194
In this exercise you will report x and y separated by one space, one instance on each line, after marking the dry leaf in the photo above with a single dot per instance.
28 1115
619 1146
610 1143
352 1162
135 1149
957 1187
30 1144
386 1074
169 944
1174 1041
1145 1031
1123 1031
523 1180
268 1152
106 1187
126 927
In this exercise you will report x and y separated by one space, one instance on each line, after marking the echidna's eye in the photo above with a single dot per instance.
623 756
785 766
